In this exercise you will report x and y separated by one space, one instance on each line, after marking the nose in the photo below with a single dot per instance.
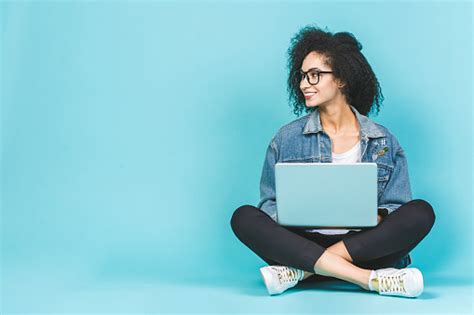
304 83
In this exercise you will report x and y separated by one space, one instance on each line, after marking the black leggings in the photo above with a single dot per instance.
381 246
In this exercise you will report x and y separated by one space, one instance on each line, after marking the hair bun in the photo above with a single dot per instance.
346 38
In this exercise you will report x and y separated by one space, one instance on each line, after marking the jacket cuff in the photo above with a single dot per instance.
389 207
269 208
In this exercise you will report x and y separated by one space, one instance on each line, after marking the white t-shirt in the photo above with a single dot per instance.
351 156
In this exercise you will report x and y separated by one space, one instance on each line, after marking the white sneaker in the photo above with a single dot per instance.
280 278
406 282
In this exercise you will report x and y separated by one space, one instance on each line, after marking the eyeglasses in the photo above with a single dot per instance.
312 74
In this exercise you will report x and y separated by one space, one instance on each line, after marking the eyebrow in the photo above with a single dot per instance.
315 68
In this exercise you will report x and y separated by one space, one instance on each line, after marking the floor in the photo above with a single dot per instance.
72 290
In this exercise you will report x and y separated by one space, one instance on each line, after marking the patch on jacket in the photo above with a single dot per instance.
379 153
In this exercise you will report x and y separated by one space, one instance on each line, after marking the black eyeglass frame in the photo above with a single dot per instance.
304 74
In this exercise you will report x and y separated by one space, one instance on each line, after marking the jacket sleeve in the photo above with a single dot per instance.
267 201
398 189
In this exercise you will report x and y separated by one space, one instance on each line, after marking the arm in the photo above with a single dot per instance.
398 190
267 201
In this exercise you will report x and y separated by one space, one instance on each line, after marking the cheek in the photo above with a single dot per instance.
331 92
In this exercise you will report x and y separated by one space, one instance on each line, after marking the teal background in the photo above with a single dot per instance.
132 130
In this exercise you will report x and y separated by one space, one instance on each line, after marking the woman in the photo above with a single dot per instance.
333 83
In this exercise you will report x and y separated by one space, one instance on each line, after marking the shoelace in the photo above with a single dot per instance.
286 275
392 283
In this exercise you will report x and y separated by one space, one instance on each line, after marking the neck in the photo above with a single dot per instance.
337 119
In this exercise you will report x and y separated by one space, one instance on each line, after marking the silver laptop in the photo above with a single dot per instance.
326 195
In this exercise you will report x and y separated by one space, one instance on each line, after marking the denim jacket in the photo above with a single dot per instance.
304 140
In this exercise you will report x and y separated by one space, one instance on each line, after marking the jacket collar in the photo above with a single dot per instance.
367 127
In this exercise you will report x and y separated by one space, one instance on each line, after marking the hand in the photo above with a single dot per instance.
379 218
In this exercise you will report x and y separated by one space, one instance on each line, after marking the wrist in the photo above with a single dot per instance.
383 212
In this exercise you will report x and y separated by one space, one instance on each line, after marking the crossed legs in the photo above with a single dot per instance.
347 259
336 262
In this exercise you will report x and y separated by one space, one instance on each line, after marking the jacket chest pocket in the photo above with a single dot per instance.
383 176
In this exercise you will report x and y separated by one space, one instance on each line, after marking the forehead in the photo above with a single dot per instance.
314 60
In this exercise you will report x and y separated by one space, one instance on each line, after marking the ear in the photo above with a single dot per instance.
340 84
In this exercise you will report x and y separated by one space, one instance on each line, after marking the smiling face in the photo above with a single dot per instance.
326 91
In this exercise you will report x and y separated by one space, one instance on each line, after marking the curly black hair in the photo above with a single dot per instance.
342 52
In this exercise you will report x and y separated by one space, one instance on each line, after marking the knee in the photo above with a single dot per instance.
424 215
240 217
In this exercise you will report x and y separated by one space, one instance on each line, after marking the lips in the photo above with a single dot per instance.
309 95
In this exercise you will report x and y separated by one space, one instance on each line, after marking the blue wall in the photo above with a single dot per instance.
132 131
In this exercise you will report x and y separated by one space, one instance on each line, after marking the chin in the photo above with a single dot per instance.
312 105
